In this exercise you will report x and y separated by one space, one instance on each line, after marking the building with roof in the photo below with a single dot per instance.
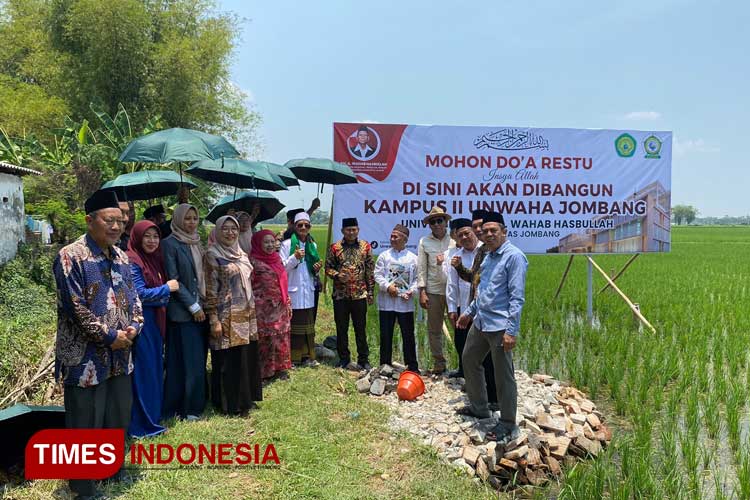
649 232
12 219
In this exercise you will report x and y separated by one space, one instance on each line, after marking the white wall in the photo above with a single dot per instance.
11 215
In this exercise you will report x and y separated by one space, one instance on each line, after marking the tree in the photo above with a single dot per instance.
690 214
685 213
167 58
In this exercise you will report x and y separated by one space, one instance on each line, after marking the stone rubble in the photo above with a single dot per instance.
558 425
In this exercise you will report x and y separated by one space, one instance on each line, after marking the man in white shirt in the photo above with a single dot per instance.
396 276
456 290
453 247
431 281
302 262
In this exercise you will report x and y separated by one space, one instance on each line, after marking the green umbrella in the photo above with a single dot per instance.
286 175
322 171
238 173
244 202
177 145
146 184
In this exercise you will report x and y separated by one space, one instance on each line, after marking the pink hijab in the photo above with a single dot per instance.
273 260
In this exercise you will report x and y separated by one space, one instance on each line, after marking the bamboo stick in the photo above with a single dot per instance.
565 275
614 278
624 297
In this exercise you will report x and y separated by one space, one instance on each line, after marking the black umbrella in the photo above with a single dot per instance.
321 171
244 202
18 423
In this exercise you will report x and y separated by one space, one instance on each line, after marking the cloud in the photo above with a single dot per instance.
642 116
688 146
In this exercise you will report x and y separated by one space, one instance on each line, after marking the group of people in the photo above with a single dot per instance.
138 312
465 267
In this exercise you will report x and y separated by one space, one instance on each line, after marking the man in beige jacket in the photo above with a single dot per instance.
431 280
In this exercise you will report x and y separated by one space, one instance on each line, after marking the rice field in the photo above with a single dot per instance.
679 396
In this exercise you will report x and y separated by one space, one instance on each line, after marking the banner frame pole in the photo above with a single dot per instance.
589 292
614 278
636 310
564 277
328 238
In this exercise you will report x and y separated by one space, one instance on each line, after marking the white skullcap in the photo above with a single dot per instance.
301 216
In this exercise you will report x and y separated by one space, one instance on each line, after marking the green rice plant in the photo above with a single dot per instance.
708 455
692 413
674 403
671 478
742 488
733 409
643 426
711 417
641 474
691 459
703 375
720 487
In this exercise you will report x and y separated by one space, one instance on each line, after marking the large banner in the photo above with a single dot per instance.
559 190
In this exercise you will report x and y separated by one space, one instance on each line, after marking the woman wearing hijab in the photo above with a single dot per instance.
186 349
150 281
235 370
272 306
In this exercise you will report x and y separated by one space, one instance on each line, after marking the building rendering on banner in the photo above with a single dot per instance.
629 233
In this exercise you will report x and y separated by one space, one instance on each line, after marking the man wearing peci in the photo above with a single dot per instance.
350 265
495 317
99 316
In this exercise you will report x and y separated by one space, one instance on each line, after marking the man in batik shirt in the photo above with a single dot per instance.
98 316
351 266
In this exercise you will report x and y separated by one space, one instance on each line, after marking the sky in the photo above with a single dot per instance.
682 66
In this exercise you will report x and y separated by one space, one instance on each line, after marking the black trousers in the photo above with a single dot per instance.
459 336
357 311
185 364
406 324
106 405
235 378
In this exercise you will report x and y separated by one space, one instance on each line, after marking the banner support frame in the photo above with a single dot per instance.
591 264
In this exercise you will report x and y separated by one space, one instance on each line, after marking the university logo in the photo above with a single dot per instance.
625 145
652 145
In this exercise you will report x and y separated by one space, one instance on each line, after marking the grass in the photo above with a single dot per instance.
678 397
331 441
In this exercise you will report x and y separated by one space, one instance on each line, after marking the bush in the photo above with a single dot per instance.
27 306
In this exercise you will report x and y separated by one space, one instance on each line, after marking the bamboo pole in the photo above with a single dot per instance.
328 242
614 278
565 275
624 297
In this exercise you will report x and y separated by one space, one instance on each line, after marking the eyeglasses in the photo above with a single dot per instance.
308 226
437 222
112 221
